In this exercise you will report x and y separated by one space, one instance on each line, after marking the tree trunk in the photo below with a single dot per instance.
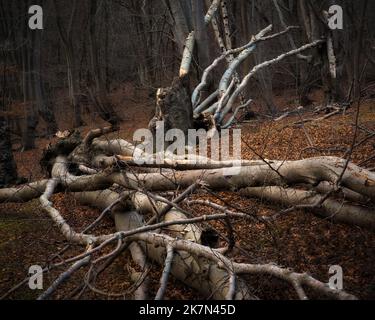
31 118
67 41
358 52
98 90
8 168
197 272
316 26
173 106
43 106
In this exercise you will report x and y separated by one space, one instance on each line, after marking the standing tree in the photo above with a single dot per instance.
8 168
97 86
66 36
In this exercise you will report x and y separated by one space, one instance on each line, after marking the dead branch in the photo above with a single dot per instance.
64 277
165 274
258 67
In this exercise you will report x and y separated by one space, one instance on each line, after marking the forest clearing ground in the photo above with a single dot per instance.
304 242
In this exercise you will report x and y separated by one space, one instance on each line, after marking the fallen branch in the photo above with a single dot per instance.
337 211
64 277
165 274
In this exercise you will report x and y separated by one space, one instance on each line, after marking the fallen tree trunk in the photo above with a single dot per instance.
311 171
203 268
335 210
308 171
23 193
193 270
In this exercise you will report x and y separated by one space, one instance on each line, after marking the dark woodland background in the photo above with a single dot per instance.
90 49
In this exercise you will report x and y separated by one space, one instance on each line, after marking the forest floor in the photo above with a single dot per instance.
298 240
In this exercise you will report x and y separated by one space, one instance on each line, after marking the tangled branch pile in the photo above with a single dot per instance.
101 173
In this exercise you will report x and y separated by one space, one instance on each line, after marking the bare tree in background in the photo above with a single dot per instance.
66 36
8 167
97 88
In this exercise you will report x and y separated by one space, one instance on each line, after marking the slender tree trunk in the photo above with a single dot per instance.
31 117
246 34
67 41
201 35
315 25
98 91
358 52
42 104
8 168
